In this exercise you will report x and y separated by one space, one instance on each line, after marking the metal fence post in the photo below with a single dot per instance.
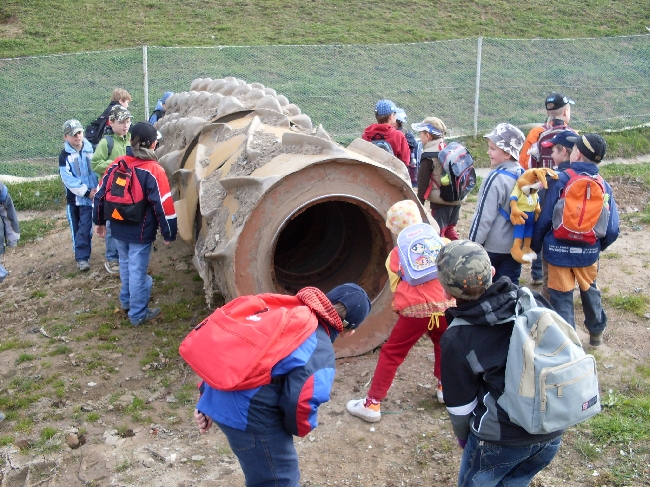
478 83
145 69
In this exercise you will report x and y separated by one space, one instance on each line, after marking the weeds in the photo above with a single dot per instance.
631 304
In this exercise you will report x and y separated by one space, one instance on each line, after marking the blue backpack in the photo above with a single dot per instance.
380 142
418 247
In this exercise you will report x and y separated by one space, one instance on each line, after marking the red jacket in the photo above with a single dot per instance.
395 138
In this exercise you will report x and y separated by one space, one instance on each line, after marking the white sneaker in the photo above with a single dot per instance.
112 266
441 398
356 407
83 265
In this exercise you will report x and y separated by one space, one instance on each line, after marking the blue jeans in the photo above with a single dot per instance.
267 459
505 265
595 317
486 464
136 283
80 219
111 250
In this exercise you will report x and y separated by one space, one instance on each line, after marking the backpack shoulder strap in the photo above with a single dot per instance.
520 171
525 301
110 143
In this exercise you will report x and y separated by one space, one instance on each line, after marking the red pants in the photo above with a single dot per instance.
406 333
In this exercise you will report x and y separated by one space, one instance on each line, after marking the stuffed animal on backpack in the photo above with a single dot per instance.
525 209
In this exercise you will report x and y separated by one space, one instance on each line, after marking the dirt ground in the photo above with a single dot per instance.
73 369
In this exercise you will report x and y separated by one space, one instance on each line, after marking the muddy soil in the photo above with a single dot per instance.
72 368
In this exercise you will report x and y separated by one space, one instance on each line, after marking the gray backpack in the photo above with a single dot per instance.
550 382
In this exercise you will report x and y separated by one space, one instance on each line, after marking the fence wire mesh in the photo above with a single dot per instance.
337 85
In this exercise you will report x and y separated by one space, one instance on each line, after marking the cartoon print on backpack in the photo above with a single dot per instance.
525 209
418 247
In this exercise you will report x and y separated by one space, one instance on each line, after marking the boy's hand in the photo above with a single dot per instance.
204 422
100 231
92 193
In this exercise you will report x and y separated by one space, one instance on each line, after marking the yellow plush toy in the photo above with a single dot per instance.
525 209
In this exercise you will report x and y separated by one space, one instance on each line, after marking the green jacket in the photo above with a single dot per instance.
101 159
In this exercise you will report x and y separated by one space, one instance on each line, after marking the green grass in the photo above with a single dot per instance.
27 28
37 195
30 230
631 304
13 344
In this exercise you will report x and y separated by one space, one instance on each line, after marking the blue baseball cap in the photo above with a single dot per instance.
561 138
385 107
356 302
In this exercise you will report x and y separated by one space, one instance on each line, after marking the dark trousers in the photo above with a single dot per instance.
80 219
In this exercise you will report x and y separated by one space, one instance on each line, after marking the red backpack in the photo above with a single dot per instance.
581 215
125 200
236 347
544 159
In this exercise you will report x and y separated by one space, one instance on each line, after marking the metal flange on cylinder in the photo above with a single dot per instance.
272 204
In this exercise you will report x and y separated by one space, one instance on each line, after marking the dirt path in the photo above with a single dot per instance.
126 391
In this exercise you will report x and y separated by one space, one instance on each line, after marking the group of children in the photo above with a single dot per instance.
480 274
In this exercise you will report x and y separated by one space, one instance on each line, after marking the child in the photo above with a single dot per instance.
400 120
446 214
558 115
134 239
421 310
120 121
159 111
496 451
567 262
9 227
491 226
384 129
97 129
81 184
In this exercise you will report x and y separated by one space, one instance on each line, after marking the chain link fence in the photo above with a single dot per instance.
472 84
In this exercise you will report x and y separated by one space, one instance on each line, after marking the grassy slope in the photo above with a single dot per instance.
56 26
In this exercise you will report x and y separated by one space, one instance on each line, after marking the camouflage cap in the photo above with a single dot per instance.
464 269
72 127
508 138
119 114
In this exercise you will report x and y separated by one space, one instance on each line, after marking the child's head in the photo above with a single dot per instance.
401 215
120 120
164 98
504 142
464 269
431 128
559 106
121 96
73 133
560 146
143 135
588 148
386 112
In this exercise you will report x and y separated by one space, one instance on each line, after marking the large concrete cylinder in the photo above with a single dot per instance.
272 204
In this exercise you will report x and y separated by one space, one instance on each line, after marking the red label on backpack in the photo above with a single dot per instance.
124 196
581 214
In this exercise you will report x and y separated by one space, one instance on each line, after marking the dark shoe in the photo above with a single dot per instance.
152 313
596 339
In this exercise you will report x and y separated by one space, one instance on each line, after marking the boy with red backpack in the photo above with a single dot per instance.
421 311
260 420
134 195
579 219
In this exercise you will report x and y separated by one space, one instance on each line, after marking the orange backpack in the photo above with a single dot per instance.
581 214
236 347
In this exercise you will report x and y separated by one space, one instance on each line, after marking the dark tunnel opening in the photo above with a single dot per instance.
331 242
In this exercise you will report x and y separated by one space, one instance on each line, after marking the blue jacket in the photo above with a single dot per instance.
301 382
77 174
560 253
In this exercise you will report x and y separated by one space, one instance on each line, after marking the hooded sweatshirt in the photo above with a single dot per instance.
76 173
394 137
490 227
474 366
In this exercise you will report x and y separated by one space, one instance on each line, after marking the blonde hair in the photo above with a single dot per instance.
437 123
120 94
401 215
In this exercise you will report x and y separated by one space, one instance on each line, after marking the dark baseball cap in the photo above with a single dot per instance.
557 100
592 146
562 139
144 132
